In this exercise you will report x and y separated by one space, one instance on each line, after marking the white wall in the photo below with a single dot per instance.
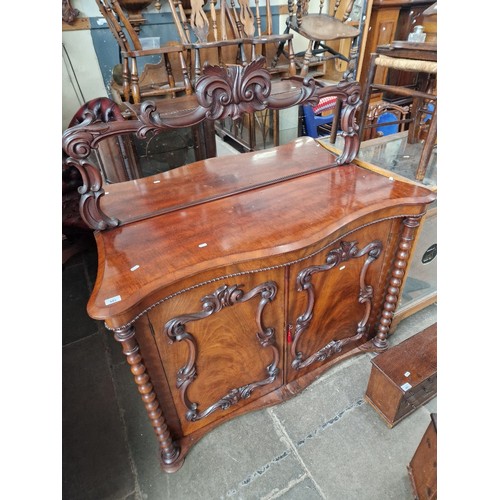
81 75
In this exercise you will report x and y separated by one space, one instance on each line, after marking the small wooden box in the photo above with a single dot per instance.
423 465
404 377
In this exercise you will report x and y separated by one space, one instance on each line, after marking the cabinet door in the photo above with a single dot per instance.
335 296
221 345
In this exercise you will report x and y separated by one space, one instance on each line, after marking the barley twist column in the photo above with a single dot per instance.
168 451
394 289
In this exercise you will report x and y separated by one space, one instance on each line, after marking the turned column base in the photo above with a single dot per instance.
171 465
380 344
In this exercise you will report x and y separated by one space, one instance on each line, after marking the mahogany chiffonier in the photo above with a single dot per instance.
233 283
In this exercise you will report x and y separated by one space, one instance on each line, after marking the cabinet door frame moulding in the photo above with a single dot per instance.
345 252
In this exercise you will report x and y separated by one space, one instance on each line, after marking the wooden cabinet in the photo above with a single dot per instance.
382 31
239 301
233 283
404 377
423 466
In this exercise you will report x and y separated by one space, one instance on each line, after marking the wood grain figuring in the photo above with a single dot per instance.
217 227
337 311
220 341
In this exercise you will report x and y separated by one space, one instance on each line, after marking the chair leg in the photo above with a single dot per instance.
197 65
307 59
134 82
281 48
243 57
365 101
126 80
291 59
428 145
414 127
168 67
185 74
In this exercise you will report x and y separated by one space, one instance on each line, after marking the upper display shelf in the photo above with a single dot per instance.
221 92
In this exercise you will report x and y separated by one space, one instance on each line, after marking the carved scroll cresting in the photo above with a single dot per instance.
224 296
345 252
234 89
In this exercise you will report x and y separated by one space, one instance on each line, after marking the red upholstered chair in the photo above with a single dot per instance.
316 122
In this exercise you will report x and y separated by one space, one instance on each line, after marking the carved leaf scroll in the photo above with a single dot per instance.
234 90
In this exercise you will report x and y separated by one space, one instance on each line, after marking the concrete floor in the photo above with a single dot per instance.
325 443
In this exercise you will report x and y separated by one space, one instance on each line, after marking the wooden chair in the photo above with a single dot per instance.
417 58
318 120
262 40
385 118
134 87
220 35
320 29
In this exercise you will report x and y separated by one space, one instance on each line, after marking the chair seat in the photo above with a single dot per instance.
321 27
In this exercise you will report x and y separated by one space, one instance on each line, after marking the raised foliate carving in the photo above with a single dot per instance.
345 252
234 89
224 296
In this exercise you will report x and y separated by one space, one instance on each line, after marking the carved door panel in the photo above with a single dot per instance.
221 345
333 297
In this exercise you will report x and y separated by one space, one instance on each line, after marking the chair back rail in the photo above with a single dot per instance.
130 89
